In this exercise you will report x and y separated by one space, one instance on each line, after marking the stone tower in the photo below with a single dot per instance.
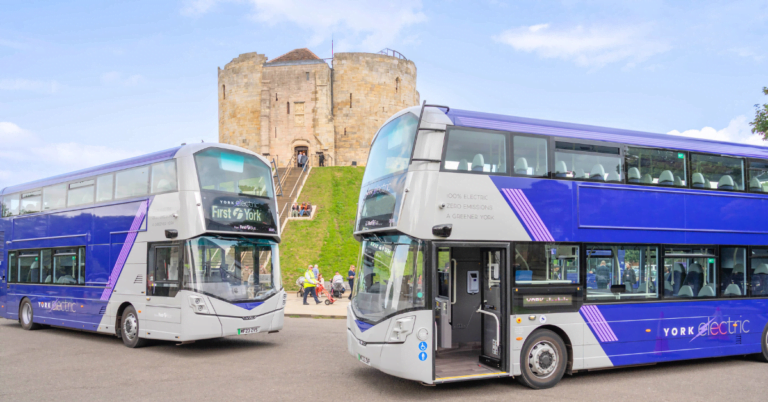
297 102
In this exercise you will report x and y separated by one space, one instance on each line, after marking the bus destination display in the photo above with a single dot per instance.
238 214
551 300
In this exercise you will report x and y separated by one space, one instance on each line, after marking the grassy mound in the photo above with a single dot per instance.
327 239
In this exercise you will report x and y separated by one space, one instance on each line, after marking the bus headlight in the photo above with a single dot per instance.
401 328
198 304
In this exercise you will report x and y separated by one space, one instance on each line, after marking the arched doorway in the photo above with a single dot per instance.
298 150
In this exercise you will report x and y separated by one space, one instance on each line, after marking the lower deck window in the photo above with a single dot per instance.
546 263
633 267
690 273
759 274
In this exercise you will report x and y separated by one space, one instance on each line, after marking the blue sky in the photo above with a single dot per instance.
88 82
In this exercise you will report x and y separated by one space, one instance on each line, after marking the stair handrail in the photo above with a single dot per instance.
298 180
277 176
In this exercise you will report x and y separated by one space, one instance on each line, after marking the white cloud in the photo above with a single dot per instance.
27 157
589 47
20 84
738 131
748 53
372 24
118 78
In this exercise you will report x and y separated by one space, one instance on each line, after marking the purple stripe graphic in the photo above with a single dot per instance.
125 250
671 142
598 323
528 215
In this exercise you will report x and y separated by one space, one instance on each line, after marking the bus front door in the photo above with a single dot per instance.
3 276
492 308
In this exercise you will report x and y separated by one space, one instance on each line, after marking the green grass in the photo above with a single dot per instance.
327 239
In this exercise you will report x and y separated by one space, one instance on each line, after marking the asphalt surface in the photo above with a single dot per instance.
308 361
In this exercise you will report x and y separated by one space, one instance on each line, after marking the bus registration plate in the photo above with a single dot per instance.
364 359
246 331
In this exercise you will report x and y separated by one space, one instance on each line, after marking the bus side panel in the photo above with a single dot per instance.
657 332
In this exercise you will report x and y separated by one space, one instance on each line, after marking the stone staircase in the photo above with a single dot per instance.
292 179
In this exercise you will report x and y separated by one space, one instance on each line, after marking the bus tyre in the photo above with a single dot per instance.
129 328
543 360
764 356
26 315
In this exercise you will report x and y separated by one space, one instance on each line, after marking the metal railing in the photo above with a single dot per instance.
391 52
276 178
290 196
328 161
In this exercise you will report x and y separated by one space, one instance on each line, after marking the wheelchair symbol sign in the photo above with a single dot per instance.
422 346
423 356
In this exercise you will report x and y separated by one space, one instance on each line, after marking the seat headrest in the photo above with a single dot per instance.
35 265
678 268
561 167
521 164
667 178
698 178
707 291
613 176
597 173
579 173
732 290
647 179
678 181
634 173
725 181
478 161
755 184
696 267
463 165
738 268
685 291
762 269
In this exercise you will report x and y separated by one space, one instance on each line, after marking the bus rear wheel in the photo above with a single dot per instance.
129 328
764 356
543 360
26 316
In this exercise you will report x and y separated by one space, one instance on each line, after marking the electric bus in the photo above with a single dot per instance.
499 246
178 245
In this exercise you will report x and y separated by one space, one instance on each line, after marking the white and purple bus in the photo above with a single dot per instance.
178 245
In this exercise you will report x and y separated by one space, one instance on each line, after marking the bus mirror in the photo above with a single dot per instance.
442 230
171 233
618 288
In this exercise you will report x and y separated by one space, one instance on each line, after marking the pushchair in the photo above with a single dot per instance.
337 288
300 284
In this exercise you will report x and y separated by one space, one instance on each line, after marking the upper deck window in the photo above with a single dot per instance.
132 182
10 205
717 172
530 156
655 166
477 151
391 151
588 162
758 176
233 172
164 177
31 201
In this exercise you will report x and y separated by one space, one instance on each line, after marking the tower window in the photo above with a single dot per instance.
276 97
307 76
275 132
397 84
288 107
350 101
345 131
224 91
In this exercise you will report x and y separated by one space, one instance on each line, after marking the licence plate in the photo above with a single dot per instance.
246 331
364 359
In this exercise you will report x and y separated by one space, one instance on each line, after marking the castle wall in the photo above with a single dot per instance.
240 101
379 86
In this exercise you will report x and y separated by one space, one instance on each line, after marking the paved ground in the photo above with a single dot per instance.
294 306
309 355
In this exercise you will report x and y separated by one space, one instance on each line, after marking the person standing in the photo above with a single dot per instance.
310 282
351 279
321 160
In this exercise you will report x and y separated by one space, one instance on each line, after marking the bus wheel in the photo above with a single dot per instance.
764 356
543 360
129 330
26 315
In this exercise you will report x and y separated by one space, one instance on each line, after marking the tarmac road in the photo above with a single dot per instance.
308 361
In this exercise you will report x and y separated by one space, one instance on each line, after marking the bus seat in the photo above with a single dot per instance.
478 162
725 183
707 291
163 185
597 173
677 278
521 166
685 291
646 179
667 178
561 169
755 185
613 176
725 280
695 277
737 276
463 165
633 175
678 181
698 181
580 173
760 280
732 290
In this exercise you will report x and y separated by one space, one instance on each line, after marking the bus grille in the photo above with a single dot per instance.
102 310
139 279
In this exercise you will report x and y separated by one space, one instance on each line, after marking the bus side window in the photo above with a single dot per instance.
164 177
10 205
634 267
104 187
132 182
163 275
12 268
476 151
530 156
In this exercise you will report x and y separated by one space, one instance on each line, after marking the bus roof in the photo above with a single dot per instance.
491 121
94 171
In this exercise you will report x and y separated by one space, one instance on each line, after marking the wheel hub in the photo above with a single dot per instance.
542 359
26 314
130 327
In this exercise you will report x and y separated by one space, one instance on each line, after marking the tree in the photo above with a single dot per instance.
760 125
